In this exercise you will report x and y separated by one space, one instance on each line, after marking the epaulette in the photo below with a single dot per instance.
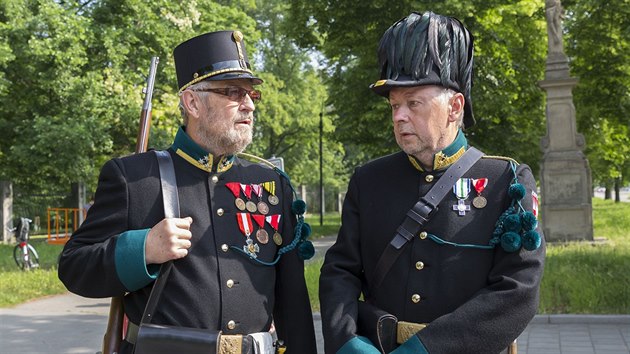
504 158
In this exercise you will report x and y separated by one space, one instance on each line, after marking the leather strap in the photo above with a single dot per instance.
171 210
421 212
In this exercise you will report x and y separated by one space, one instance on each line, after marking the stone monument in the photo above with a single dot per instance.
566 205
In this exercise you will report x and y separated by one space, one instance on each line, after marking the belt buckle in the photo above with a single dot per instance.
230 344
407 330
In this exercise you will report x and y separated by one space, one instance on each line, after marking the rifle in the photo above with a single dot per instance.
116 323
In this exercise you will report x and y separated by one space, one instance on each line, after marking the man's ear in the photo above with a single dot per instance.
191 103
456 106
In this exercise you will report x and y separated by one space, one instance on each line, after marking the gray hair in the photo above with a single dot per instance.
201 85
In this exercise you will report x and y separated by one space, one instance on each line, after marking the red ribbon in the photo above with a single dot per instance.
245 223
234 187
273 220
260 219
480 184
247 189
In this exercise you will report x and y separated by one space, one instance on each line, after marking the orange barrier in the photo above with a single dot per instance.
61 224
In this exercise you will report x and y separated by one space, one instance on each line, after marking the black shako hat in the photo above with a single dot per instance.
212 56
427 49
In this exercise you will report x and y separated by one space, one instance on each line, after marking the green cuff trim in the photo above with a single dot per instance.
130 263
358 345
413 345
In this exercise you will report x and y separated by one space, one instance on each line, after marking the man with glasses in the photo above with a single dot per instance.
235 266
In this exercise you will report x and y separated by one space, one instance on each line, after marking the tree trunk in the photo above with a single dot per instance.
608 193
617 190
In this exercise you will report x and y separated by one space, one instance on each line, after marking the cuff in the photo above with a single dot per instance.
358 345
131 266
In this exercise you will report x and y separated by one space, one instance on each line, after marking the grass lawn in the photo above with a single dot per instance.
579 277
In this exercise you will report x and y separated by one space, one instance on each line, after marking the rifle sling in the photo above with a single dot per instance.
421 212
171 210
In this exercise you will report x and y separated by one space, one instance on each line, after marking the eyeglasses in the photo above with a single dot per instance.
236 94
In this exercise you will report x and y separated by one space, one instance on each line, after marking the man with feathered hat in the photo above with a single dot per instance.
418 269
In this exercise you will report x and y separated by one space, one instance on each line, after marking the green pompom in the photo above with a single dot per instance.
510 242
528 220
512 223
306 231
306 250
531 240
516 191
298 207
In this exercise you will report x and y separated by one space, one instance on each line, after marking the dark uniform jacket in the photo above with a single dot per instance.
474 300
215 286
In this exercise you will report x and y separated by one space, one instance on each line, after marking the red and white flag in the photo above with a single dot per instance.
535 204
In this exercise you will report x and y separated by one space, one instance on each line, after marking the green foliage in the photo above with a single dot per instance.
598 43
509 60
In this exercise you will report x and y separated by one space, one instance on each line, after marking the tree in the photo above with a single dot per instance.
598 45
509 62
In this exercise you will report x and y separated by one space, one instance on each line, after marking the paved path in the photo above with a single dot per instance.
72 324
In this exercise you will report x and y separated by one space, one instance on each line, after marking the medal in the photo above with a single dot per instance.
277 239
240 204
235 189
274 221
271 188
479 184
247 190
261 235
261 206
250 206
245 224
461 190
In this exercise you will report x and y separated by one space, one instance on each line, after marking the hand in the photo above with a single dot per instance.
169 239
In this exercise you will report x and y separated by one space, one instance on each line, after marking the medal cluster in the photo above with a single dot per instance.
255 210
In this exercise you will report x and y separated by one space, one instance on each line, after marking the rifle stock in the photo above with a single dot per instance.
116 321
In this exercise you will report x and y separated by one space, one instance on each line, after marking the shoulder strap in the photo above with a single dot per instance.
421 213
171 210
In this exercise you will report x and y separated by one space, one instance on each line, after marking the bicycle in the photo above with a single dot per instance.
24 253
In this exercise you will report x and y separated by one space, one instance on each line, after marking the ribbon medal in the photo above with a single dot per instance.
246 226
261 235
461 190
271 188
274 221
235 189
261 206
479 184
249 205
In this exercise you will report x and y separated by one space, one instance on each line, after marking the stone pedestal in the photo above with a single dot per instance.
566 207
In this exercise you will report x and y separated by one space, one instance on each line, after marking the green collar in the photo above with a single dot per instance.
185 147
447 156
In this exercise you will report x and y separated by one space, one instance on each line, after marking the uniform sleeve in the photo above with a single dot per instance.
97 254
498 313
340 279
292 313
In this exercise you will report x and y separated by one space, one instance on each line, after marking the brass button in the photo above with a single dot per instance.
215 179
415 298
231 324
220 211
224 247
419 265
423 235
429 178
230 283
